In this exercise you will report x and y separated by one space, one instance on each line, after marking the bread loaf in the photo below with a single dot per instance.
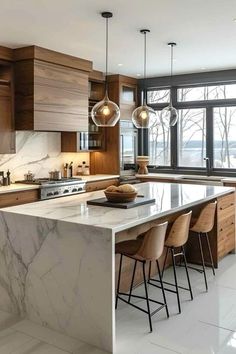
126 188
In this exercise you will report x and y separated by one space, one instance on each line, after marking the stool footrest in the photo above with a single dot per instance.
143 298
165 282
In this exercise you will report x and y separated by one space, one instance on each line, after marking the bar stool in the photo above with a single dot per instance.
143 250
176 240
201 226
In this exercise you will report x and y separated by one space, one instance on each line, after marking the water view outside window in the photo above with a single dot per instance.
205 93
225 137
192 137
159 142
158 96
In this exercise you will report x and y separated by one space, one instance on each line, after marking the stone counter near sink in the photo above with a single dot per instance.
58 261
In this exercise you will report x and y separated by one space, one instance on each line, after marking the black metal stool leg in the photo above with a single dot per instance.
163 269
118 282
175 275
162 288
147 299
150 269
132 281
186 268
210 254
203 262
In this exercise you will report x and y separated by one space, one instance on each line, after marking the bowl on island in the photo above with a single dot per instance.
123 194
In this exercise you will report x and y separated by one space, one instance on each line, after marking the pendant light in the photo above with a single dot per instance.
106 113
169 114
142 115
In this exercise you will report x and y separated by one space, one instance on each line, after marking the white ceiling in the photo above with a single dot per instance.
203 29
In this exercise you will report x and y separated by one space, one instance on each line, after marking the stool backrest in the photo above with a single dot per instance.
206 219
179 231
153 242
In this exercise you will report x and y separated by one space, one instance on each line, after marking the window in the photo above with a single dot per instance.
159 143
205 93
224 137
206 128
192 137
158 96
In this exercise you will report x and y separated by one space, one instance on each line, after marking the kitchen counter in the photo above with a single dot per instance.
95 178
17 187
58 262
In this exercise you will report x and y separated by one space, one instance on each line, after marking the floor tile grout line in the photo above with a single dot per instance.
43 341
214 325
162 346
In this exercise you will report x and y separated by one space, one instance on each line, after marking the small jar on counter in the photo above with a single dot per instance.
79 170
86 170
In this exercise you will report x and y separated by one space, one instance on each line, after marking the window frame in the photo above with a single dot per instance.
209 105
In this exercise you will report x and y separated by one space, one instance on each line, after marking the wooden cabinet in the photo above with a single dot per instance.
95 137
16 198
226 224
123 90
50 96
7 132
95 186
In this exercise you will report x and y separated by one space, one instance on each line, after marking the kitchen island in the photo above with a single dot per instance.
57 264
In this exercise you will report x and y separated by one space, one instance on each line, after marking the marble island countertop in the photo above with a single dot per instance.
170 198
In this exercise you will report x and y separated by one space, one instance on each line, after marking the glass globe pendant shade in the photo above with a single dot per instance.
142 116
169 116
105 113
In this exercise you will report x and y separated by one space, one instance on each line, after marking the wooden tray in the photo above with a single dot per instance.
105 203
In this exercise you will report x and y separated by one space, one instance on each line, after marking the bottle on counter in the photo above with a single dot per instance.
71 170
65 170
83 167
8 178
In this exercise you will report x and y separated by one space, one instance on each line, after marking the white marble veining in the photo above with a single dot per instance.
39 152
169 198
58 275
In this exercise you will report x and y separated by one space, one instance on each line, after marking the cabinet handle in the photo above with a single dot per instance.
221 229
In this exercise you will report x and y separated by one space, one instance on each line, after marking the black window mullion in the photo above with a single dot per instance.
209 135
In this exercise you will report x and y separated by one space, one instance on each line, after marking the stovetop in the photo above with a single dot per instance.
47 181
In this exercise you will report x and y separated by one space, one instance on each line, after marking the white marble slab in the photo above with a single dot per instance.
39 152
169 198
17 187
59 275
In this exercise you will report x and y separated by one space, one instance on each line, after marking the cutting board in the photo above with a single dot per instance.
137 202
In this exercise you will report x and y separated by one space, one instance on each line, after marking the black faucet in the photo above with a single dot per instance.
208 165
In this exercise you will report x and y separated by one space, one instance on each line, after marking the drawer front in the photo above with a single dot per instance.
95 186
226 241
16 198
226 202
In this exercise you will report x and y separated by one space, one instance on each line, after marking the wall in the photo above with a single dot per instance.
39 152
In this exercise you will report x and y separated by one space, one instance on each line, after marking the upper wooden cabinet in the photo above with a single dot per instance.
123 90
51 91
7 132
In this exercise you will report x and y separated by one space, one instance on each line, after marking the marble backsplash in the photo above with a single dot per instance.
38 152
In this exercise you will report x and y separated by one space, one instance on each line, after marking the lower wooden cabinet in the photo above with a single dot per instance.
95 186
226 225
16 198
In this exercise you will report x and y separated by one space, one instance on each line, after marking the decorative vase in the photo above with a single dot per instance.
142 161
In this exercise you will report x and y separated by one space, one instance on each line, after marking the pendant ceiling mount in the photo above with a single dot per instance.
106 113
143 115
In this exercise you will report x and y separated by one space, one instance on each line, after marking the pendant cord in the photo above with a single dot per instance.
106 84
171 73
145 69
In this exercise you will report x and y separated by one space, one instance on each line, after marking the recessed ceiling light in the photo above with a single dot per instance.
203 68
138 74
234 19
120 64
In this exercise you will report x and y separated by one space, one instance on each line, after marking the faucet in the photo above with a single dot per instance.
208 165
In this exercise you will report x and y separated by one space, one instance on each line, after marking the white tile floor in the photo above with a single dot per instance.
207 324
